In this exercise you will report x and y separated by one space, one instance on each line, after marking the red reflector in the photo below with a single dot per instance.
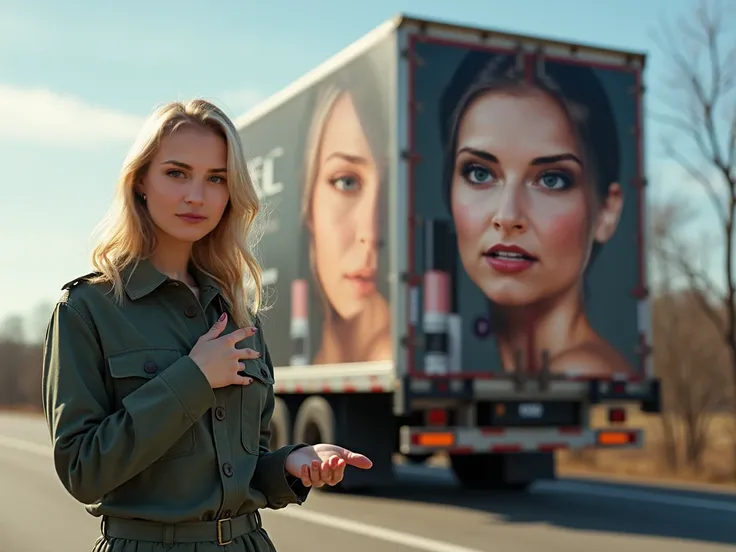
617 415
437 417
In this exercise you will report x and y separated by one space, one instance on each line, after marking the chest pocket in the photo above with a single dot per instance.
253 400
133 369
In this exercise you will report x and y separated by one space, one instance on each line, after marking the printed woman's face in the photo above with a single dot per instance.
521 205
344 212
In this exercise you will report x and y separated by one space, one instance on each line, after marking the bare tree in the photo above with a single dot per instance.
12 329
700 113
38 320
689 354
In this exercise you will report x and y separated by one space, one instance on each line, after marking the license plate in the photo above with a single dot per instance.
531 411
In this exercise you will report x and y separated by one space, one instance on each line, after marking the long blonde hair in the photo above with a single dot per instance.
127 232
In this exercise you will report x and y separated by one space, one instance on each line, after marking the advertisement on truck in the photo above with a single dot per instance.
454 242
527 208
321 162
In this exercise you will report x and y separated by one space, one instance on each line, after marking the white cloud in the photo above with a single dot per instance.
40 116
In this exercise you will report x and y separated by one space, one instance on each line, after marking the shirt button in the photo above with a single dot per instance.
227 469
190 311
220 413
150 367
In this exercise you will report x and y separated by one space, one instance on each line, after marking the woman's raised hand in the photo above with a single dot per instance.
219 359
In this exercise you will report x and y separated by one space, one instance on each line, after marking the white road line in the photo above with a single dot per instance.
25 446
374 531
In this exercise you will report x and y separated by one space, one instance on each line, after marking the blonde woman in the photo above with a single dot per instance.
343 200
157 383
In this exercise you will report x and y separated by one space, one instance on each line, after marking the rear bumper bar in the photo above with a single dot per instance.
458 440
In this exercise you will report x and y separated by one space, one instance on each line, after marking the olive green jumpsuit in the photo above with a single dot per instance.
138 434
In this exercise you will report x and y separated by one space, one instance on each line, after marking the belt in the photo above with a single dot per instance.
222 531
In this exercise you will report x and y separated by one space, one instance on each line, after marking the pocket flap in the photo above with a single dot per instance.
143 363
257 369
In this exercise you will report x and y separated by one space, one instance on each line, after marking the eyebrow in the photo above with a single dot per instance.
357 159
545 160
189 167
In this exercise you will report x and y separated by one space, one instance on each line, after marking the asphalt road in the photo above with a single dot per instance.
424 511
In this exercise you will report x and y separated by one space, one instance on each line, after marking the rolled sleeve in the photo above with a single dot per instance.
280 488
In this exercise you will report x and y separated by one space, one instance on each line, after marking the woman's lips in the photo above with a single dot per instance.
509 259
364 281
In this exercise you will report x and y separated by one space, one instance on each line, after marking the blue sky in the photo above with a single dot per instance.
78 77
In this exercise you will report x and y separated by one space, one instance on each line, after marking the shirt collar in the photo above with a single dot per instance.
143 278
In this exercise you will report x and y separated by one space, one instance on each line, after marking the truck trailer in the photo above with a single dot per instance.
453 248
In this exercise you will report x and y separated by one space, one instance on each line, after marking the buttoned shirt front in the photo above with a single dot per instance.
137 430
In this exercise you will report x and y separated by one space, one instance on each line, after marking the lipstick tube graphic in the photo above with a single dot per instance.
299 327
440 299
436 322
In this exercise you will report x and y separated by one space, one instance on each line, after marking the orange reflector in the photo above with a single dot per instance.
614 438
435 439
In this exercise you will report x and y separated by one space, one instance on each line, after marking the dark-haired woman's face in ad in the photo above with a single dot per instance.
520 200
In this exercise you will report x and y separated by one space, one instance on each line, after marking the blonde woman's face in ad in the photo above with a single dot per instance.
519 198
344 212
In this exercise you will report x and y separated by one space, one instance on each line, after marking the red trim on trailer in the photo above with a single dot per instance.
492 430
571 430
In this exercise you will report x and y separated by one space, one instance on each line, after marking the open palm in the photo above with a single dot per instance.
324 464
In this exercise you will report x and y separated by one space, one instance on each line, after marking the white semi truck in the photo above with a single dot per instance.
453 246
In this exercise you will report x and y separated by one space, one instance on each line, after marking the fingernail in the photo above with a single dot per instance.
250 380
254 329
222 317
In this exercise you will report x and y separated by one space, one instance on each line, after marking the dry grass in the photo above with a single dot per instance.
649 461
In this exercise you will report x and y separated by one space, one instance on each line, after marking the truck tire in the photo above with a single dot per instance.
485 472
280 425
314 424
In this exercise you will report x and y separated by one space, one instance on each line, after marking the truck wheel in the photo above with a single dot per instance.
280 425
485 472
315 423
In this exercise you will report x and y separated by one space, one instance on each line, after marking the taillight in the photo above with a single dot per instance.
616 415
